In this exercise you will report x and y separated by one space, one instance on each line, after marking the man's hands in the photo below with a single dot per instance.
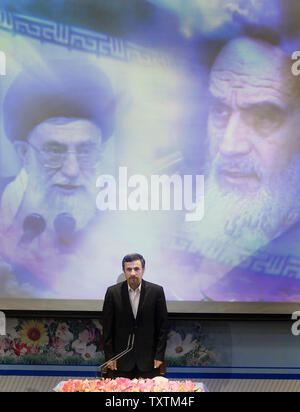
157 363
112 365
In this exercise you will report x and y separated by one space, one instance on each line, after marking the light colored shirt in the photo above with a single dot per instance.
134 296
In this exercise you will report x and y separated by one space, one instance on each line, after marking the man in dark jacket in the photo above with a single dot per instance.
135 307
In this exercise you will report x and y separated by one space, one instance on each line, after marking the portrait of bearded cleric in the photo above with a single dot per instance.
251 174
59 120
253 133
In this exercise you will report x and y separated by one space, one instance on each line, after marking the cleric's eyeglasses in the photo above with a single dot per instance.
53 155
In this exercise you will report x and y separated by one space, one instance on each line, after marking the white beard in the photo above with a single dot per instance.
34 198
80 205
236 223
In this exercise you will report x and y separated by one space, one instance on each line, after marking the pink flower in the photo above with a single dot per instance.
63 332
87 335
127 385
58 344
34 349
5 343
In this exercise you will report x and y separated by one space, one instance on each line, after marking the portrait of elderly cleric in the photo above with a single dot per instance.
58 118
252 204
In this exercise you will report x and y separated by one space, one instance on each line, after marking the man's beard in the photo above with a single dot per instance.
80 205
236 223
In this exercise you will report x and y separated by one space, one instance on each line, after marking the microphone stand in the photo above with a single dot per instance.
129 347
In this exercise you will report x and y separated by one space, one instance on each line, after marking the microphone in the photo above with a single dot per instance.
65 226
129 347
33 226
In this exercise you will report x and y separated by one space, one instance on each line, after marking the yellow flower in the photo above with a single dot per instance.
34 333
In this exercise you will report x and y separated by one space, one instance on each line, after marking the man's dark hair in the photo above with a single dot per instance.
131 258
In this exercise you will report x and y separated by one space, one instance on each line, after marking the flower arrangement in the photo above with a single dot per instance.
158 384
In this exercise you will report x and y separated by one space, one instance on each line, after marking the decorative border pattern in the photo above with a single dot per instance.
259 262
75 38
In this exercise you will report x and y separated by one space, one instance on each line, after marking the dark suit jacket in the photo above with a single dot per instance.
149 327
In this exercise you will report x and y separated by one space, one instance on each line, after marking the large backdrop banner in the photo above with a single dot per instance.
167 128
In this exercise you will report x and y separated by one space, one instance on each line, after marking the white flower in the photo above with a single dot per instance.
63 332
86 351
90 352
176 347
79 347
160 379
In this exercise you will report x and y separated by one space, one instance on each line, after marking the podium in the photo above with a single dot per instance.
108 373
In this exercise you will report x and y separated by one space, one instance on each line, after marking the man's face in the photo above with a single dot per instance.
63 164
134 272
253 120
253 130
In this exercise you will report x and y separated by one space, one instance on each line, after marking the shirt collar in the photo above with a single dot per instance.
134 291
